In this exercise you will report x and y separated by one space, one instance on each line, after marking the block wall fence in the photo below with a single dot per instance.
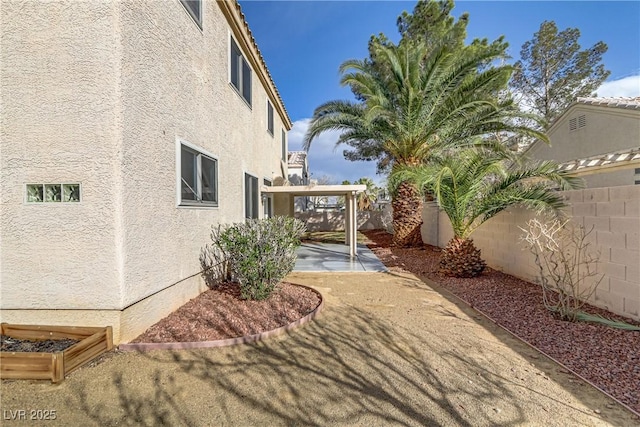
334 221
614 213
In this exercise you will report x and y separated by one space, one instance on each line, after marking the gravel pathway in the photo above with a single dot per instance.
608 357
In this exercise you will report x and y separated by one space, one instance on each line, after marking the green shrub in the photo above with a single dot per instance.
259 252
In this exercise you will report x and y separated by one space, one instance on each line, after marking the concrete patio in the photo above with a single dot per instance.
334 257
387 350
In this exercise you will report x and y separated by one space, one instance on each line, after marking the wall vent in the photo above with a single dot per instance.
582 121
573 124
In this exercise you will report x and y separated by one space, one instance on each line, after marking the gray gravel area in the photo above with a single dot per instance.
388 349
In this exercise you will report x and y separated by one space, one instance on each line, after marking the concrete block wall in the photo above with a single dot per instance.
614 214
334 221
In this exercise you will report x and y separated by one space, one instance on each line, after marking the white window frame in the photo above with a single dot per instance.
270 118
192 13
199 153
242 60
244 193
285 152
267 200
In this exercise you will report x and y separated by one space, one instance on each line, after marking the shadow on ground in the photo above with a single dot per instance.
355 370
387 350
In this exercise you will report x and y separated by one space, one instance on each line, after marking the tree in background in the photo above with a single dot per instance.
364 200
368 197
552 71
432 25
474 185
430 101
319 201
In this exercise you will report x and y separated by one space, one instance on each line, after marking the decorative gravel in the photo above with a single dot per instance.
220 313
608 357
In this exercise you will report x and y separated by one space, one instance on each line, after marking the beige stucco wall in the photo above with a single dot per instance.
185 76
607 130
99 93
611 179
613 212
59 123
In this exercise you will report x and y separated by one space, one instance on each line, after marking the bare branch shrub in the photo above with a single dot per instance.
566 263
215 268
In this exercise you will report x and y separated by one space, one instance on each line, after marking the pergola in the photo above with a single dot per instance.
349 192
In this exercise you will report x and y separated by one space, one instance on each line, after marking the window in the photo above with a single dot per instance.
284 146
194 7
63 193
250 196
270 117
240 73
268 201
198 178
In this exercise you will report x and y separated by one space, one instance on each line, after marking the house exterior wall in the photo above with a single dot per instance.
610 179
185 73
613 212
60 126
127 81
607 130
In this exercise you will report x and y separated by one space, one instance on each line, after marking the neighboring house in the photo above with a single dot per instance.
598 139
128 130
298 166
383 200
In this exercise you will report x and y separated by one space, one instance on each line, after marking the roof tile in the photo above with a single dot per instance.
619 102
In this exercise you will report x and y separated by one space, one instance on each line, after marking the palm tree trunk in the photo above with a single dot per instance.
461 258
407 216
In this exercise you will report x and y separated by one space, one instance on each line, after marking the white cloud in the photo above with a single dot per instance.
327 159
625 87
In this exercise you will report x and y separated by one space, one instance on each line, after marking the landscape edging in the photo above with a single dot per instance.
486 316
141 347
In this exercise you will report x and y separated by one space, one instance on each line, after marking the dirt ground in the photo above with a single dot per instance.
388 349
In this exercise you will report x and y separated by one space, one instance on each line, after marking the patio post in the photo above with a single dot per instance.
353 225
347 219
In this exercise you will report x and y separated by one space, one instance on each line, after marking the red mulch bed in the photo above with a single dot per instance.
220 313
608 357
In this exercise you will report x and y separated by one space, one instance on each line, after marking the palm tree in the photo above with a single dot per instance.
367 198
413 103
474 185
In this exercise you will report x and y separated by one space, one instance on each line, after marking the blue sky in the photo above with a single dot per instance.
304 42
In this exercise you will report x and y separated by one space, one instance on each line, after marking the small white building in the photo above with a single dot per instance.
128 129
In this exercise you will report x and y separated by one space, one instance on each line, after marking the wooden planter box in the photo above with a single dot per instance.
52 366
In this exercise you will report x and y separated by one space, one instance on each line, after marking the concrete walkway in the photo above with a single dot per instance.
387 350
